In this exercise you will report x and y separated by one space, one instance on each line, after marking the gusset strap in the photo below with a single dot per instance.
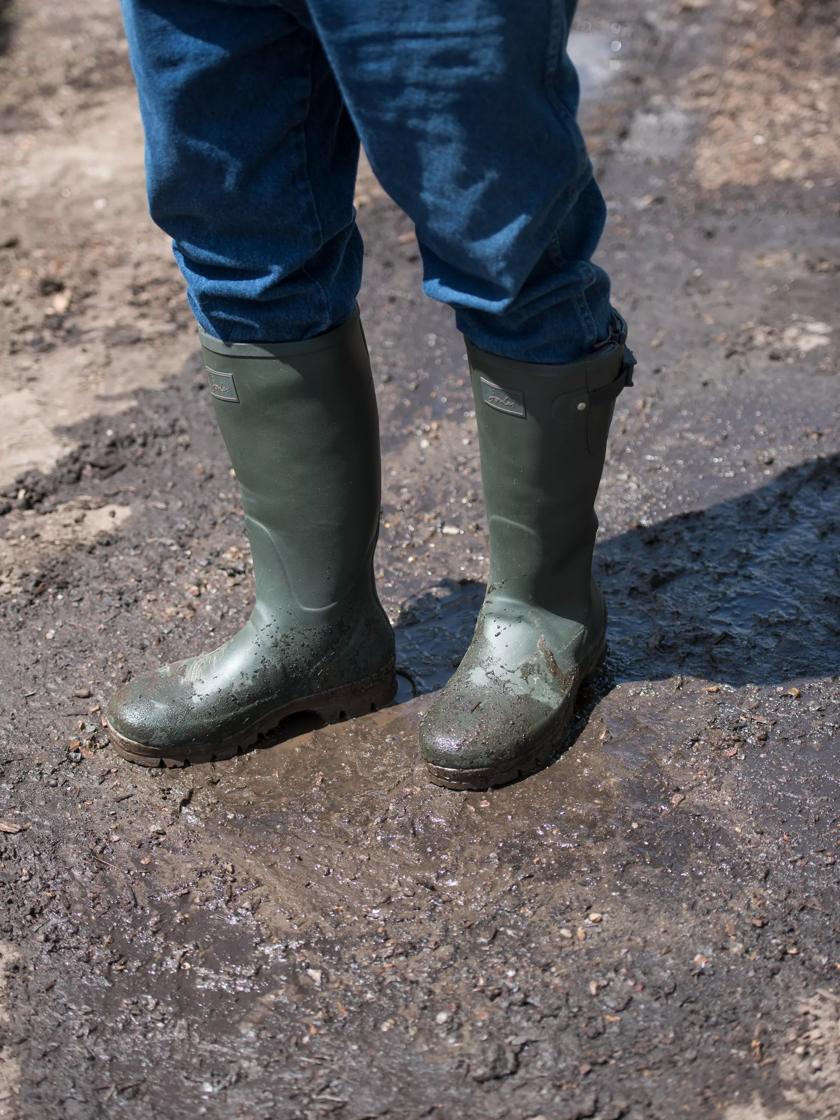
624 379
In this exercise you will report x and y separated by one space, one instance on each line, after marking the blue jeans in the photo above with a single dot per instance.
253 110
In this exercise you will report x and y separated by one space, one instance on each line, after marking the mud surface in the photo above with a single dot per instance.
646 929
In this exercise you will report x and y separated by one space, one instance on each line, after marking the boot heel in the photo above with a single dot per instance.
358 699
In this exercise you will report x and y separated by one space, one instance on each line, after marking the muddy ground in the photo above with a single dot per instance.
647 929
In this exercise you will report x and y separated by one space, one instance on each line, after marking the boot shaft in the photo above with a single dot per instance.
300 424
543 435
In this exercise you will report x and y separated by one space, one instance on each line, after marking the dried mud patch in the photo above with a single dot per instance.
770 104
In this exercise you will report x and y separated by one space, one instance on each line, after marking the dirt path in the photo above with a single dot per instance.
647 929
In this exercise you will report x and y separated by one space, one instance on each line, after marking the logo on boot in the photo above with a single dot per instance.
504 400
222 386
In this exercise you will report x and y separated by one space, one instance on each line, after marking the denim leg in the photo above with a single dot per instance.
468 114
251 162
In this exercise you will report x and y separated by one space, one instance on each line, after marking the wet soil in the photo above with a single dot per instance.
647 928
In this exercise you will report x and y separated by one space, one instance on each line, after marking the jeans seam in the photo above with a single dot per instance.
552 61
313 204
586 318
553 46
579 301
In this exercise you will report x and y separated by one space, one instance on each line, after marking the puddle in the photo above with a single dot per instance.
342 816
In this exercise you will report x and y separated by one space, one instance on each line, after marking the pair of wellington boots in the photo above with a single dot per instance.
301 428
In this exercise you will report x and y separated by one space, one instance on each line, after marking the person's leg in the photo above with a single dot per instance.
251 166
467 113
251 163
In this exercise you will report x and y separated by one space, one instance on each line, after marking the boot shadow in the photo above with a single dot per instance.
743 592
6 25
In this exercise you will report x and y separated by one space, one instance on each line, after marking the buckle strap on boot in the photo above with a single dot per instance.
606 394
623 381
617 337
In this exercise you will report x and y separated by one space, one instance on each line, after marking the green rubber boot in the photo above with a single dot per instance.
300 424
541 630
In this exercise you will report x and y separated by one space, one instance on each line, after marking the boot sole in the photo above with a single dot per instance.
544 751
334 706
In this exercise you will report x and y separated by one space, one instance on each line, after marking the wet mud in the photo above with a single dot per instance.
648 927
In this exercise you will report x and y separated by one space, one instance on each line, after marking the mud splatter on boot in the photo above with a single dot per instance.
542 628
300 424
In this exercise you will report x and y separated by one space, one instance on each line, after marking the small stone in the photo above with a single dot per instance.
442 1017
595 917
83 693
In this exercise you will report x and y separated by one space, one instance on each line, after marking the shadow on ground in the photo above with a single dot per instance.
5 25
744 592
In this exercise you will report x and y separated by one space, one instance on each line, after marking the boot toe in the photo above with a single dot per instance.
486 736
135 714
152 712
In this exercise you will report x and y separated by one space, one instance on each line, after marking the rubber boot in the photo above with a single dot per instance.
542 628
300 424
